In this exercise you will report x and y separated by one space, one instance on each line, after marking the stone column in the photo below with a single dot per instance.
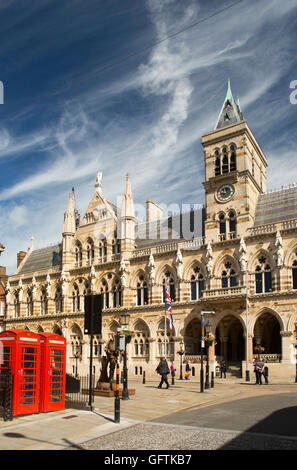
286 346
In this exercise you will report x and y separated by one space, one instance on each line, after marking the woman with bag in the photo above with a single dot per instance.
188 370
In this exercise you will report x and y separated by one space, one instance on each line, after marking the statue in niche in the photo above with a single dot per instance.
151 269
242 256
48 285
279 254
123 272
179 264
209 260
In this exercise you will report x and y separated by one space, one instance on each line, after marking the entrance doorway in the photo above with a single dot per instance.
230 341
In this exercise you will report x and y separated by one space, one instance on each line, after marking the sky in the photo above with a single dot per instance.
130 87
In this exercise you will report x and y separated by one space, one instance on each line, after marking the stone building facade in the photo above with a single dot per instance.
3 279
237 257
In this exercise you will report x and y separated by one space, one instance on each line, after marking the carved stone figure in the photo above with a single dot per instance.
34 287
151 269
242 256
123 272
20 290
179 265
279 253
93 278
48 283
209 260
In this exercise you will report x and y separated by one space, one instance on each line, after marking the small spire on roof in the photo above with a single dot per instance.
231 111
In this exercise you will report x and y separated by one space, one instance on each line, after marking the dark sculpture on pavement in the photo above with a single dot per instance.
109 360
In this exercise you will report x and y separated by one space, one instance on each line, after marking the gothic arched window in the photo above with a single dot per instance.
171 286
232 157
58 301
225 161
90 251
263 276
232 222
29 304
78 254
294 274
117 294
197 284
228 277
142 291
222 221
217 163
43 302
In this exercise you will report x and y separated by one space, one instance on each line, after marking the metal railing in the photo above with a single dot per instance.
6 393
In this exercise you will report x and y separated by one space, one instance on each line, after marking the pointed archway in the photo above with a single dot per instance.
192 337
267 333
230 340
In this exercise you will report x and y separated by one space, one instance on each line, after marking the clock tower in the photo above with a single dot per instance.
235 174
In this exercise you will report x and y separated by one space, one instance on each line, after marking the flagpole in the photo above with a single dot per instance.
165 319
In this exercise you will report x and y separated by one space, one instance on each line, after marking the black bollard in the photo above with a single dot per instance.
212 380
143 377
172 380
117 406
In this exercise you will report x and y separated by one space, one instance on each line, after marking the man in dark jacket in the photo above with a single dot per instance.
163 370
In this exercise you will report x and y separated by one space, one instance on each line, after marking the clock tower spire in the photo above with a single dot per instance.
235 173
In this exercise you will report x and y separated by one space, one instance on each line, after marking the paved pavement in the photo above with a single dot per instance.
140 426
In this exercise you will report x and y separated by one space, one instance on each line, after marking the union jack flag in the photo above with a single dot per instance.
168 305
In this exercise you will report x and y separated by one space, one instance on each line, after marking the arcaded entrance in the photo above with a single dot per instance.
230 340
192 337
267 333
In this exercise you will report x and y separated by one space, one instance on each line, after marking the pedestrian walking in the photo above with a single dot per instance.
265 374
188 370
223 368
163 370
258 369
172 370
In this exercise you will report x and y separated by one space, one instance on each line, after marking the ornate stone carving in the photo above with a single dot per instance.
151 269
279 252
242 256
179 264
209 260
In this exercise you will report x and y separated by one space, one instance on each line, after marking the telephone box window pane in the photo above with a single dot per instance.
28 376
56 375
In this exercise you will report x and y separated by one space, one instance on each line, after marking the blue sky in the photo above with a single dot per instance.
73 106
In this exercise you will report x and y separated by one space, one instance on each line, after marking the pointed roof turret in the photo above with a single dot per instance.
128 203
69 215
230 112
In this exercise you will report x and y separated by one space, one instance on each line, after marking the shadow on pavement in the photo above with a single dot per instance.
268 433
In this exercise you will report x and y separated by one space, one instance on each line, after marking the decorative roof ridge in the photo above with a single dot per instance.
282 188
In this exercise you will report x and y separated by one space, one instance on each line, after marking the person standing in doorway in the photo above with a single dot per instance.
223 367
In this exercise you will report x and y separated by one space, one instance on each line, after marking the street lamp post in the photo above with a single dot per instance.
207 331
76 355
124 325
204 313
181 353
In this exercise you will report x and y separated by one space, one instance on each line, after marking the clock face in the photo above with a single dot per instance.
225 192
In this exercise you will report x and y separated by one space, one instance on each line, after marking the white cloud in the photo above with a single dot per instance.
18 216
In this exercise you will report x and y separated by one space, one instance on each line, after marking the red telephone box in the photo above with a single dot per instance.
53 372
20 349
